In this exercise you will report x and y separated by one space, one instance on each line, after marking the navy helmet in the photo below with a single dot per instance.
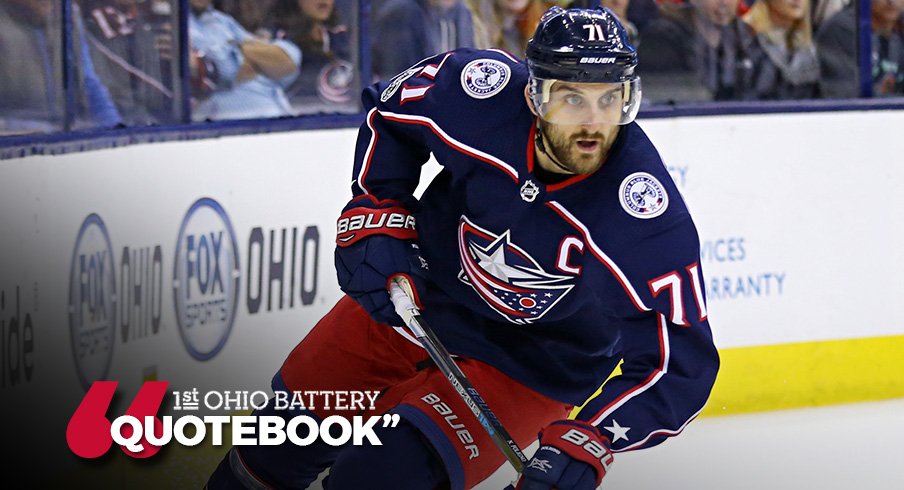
579 46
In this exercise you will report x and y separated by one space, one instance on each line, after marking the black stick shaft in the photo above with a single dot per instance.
406 309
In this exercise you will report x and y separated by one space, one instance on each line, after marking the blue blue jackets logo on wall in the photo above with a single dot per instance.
206 279
92 301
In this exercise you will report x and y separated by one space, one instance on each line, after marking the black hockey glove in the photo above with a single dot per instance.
376 241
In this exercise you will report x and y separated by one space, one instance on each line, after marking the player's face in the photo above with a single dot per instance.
584 104
579 122
580 148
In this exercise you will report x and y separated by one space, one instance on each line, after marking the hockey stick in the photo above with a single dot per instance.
419 327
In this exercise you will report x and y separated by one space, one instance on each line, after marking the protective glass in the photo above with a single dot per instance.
559 102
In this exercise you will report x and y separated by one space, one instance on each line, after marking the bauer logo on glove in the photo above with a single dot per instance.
376 241
358 223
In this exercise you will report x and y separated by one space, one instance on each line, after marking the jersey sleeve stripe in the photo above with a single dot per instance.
457 145
599 254
661 432
430 71
648 383
369 153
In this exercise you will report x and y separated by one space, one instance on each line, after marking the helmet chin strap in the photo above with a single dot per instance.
539 136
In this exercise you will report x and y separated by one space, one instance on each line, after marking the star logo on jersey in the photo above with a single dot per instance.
505 276
618 432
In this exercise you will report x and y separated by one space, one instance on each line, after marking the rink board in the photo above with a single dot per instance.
202 263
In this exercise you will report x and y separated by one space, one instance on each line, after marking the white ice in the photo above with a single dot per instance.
842 447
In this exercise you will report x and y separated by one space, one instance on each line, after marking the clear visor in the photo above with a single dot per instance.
559 102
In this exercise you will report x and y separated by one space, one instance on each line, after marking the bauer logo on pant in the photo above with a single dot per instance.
642 196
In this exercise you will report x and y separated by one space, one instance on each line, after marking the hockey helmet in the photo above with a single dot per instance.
571 53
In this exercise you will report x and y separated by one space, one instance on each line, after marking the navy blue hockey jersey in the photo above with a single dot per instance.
551 284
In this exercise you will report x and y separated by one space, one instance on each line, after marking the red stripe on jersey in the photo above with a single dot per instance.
567 182
661 432
476 278
430 71
457 145
467 227
413 92
369 154
531 156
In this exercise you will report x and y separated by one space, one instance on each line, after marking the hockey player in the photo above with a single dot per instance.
552 246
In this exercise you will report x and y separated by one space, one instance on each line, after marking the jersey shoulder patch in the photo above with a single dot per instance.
485 77
642 195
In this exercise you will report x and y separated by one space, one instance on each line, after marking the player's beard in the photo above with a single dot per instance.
562 143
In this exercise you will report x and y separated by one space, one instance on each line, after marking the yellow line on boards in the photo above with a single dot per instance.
808 374
805 374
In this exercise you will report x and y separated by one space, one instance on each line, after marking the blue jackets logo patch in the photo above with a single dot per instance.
484 78
508 279
642 196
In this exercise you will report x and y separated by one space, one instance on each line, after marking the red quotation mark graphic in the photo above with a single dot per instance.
88 433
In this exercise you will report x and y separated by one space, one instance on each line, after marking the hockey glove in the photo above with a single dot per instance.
572 456
375 241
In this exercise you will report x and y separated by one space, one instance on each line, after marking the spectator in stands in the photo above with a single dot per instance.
407 31
836 44
791 67
823 10
253 15
236 74
700 51
642 12
506 24
128 57
623 9
327 76
31 75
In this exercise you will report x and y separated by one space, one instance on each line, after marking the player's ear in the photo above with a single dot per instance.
530 102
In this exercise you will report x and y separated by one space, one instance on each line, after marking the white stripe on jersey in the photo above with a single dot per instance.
450 141
660 372
663 432
601 255
369 153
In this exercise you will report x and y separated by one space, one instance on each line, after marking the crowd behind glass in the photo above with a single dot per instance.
286 58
